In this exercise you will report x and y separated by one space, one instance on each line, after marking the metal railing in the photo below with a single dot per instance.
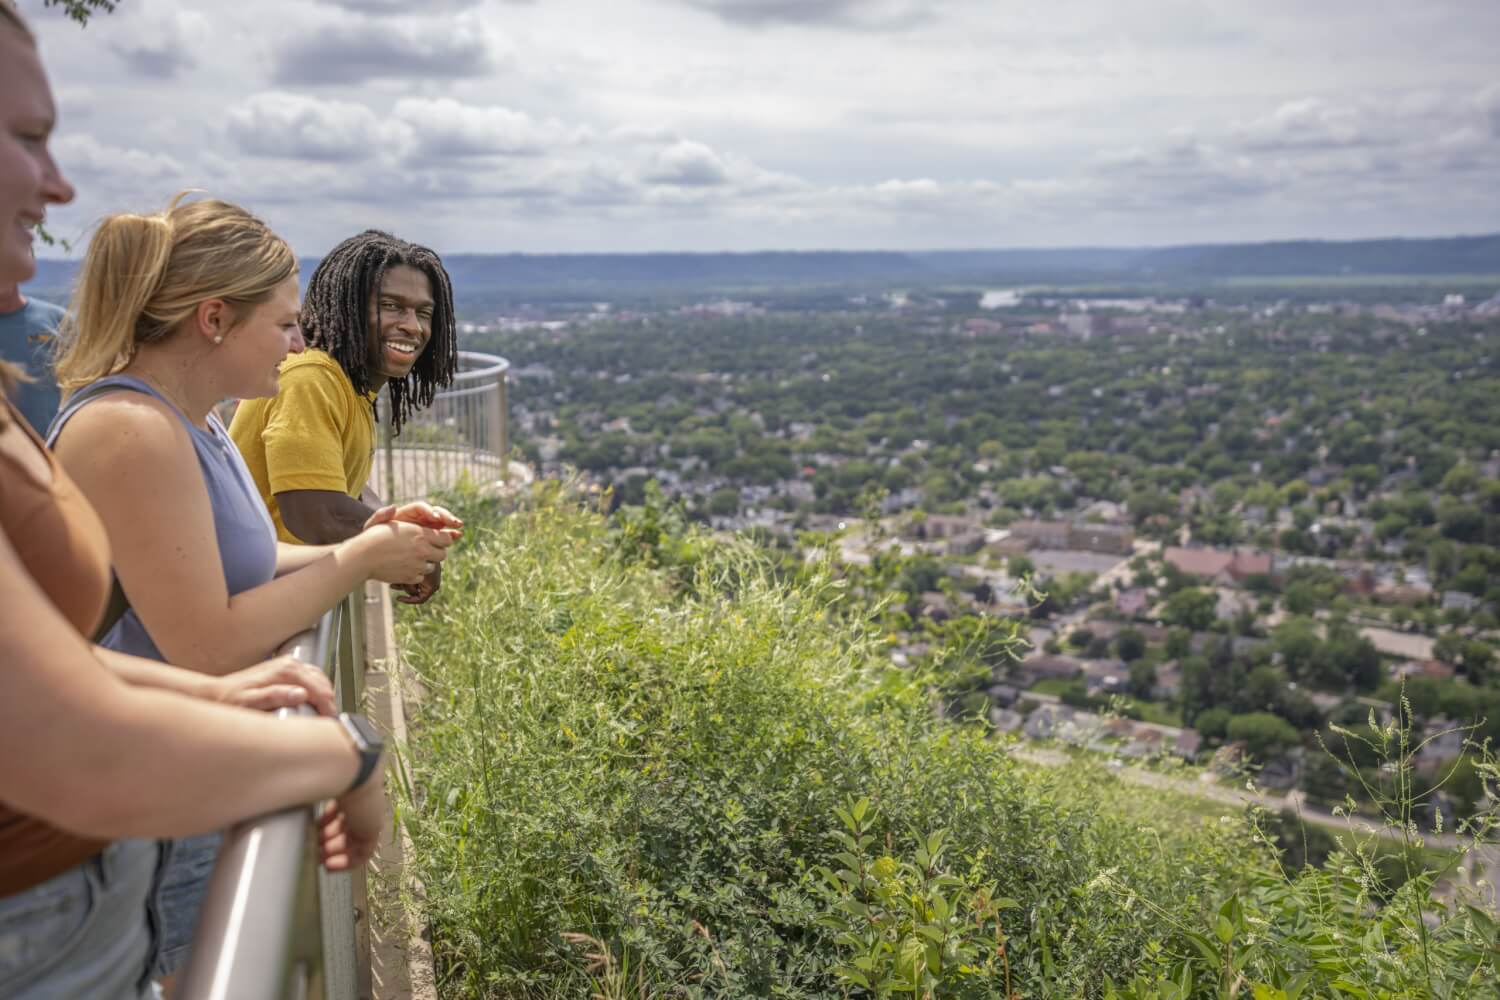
274 924
465 433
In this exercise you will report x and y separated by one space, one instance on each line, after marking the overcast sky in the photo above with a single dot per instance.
643 125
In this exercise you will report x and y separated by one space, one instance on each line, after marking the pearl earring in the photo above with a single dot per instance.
218 340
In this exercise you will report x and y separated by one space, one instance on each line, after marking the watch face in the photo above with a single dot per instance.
367 732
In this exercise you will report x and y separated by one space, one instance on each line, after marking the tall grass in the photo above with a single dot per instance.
626 780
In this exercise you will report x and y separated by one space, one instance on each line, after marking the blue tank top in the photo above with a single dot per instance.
246 537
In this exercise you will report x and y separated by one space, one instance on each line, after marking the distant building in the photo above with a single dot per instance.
1205 563
1132 603
1042 534
1247 563
1041 666
1457 600
1108 538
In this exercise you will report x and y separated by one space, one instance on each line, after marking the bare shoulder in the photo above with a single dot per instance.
127 433
130 420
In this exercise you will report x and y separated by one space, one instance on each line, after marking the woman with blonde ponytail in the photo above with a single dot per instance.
173 312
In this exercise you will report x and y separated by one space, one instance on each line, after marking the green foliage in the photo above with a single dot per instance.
1362 926
82 10
627 765
1264 734
1192 608
910 925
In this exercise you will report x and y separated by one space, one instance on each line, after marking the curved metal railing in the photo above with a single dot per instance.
273 924
465 433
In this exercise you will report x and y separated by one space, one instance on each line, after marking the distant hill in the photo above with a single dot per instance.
602 273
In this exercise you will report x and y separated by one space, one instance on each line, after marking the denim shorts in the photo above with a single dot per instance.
182 880
84 933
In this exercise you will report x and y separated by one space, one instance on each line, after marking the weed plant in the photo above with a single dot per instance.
643 764
636 739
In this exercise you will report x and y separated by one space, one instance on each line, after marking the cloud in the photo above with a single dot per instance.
397 7
688 164
294 126
158 45
1309 123
885 15
350 52
1489 106
445 127
85 159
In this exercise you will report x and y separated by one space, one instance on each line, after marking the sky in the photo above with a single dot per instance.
563 126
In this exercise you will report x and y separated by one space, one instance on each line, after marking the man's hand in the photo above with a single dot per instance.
420 593
283 682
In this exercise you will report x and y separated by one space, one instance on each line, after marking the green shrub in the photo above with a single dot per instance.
634 770
648 753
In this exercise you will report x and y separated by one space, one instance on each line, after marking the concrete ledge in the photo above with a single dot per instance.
401 957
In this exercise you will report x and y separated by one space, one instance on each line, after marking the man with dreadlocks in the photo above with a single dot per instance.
378 313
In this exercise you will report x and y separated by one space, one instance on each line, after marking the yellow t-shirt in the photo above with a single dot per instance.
316 433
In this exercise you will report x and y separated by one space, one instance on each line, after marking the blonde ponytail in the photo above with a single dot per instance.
143 275
122 271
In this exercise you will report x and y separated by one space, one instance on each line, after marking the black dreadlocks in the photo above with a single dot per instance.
336 316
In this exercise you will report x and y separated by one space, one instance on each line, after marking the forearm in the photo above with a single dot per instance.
139 672
108 759
206 765
322 517
290 558
254 622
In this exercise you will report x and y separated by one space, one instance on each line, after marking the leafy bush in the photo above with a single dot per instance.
627 767
644 765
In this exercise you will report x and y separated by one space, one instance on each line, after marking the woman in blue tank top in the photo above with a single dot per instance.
173 312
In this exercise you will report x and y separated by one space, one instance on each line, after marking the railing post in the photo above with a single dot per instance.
502 418
388 443
342 896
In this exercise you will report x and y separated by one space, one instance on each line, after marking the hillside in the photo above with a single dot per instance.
598 274
645 765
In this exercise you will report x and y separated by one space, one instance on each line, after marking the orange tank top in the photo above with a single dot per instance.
62 545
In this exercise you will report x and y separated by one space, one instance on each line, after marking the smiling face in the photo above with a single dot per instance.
400 322
252 351
29 179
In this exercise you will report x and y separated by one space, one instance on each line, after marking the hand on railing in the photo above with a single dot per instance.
396 551
280 682
431 516
349 827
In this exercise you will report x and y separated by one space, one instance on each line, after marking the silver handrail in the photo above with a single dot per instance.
266 918
465 432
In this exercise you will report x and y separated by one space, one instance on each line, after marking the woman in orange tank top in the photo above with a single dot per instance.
97 747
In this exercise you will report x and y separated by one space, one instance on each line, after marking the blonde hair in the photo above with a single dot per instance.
143 275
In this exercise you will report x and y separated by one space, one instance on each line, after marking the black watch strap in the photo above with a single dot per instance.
367 741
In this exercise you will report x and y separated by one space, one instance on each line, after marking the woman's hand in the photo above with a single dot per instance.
349 827
399 551
418 512
428 515
282 682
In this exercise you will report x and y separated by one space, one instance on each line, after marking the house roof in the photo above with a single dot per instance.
1199 562
1250 564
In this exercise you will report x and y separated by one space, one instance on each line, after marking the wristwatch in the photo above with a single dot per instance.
367 741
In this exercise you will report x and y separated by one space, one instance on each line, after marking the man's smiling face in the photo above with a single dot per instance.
400 321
